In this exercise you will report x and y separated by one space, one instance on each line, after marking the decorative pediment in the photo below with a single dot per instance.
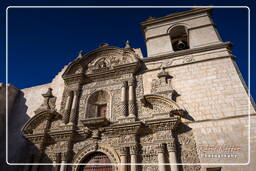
39 123
159 105
104 61
111 58
45 114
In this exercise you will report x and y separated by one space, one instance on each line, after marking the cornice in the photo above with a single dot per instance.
227 45
174 16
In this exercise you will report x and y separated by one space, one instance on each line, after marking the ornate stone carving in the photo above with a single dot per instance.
162 85
187 150
64 156
160 148
133 149
155 105
49 102
150 167
123 151
188 59
109 58
171 147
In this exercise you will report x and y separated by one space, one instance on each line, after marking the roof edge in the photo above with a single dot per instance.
174 16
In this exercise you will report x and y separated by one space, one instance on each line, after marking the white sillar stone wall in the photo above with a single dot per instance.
28 100
215 97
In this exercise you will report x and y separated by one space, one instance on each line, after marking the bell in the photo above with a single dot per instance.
181 45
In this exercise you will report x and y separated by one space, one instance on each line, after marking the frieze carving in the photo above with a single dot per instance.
188 59
108 59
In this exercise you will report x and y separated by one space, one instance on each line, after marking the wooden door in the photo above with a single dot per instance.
96 157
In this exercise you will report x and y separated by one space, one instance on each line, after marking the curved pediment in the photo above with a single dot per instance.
156 104
38 123
106 60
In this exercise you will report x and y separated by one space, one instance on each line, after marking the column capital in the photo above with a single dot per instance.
69 93
131 82
76 92
171 147
124 84
55 157
160 148
123 151
133 149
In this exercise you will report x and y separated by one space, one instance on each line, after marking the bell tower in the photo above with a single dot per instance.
180 31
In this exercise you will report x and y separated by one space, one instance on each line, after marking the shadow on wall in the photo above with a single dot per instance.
17 145
186 148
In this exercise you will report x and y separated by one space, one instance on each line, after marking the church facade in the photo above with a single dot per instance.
184 103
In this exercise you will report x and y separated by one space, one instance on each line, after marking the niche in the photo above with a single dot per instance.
98 104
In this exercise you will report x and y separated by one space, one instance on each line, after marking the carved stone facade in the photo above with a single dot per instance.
131 109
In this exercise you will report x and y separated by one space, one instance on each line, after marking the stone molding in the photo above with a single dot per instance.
192 51
111 153
153 20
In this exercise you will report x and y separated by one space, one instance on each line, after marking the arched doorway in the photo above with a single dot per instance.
96 157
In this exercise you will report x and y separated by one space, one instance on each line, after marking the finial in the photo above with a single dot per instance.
103 44
151 18
127 44
162 72
48 93
49 102
80 54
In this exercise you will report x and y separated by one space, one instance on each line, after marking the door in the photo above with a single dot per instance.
96 157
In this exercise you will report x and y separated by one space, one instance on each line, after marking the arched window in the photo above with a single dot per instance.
98 104
179 38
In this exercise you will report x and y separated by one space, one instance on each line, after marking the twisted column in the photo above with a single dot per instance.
131 98
67 107
123 157
172 156
133 153
160 156
74 107
123 98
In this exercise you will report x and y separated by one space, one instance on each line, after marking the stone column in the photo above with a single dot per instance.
74 107
160 156
123 157
67 107
64 159
55 159
131 98
133 153
123 99
172 156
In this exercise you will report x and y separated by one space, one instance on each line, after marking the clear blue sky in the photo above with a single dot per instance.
42 41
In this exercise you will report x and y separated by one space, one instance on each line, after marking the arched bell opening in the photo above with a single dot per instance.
179 38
